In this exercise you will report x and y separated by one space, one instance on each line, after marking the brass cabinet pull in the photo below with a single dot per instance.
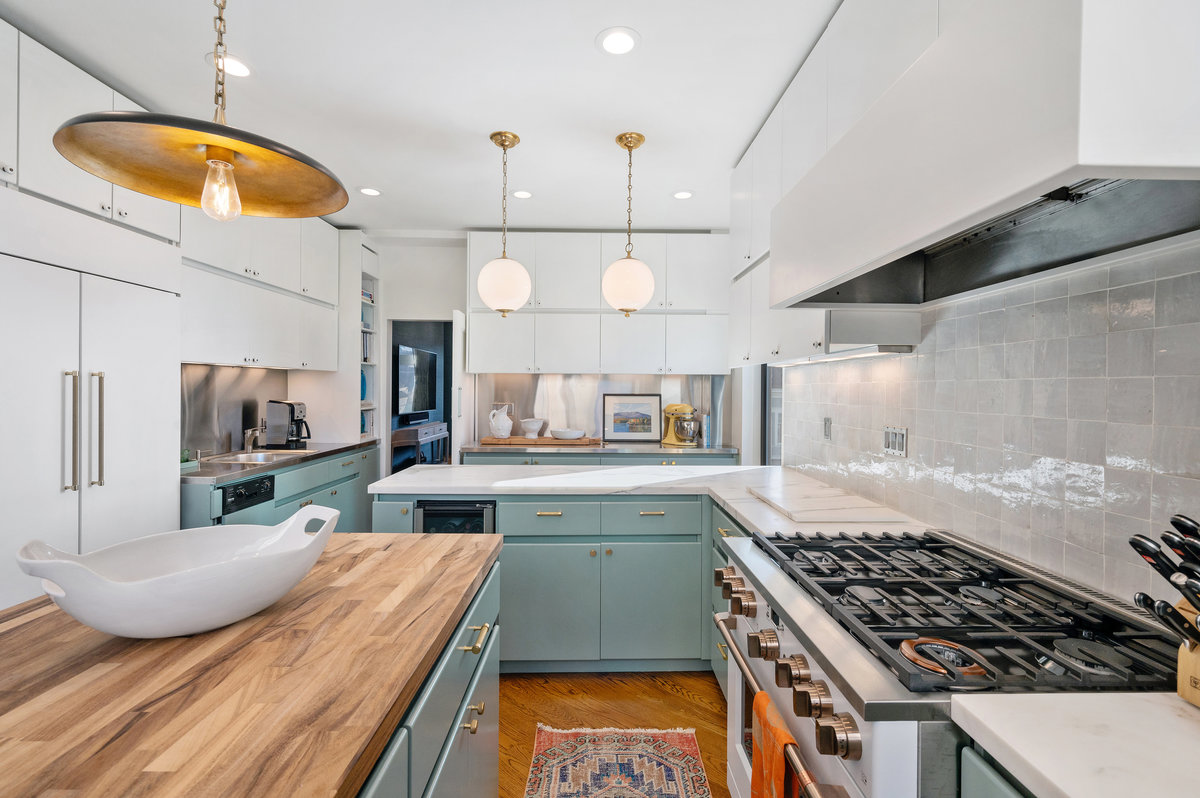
653 512
672 462
724 532
305 504
471 727
549 514
592 553
478 645
477 707
74 375
403 511
333 492
349 462
364 457
99 481
724 649
608 552
664 462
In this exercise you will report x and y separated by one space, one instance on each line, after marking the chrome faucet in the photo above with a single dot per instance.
250 435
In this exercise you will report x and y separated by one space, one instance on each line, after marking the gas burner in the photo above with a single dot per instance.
980 596
1090 655
814 558
862 596
930 653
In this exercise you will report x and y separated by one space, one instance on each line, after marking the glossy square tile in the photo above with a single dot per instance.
1087 314
1130 272
1129 446
1049 437
1131 400
1131 307
1087 281
1086 441
1177 401
991 361
1050 358
1050 318
1053 288
1178 300
1176 452
1020 323
1087 399
1087 355
967 332
1176 350
1018 433
1018 360
1131 353
1180 261
1050 398
1127 492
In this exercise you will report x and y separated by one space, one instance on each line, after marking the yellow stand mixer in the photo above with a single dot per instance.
680 426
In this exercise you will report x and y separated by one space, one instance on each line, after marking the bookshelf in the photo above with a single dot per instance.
369 358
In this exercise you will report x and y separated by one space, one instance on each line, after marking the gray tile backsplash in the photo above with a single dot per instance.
1052 420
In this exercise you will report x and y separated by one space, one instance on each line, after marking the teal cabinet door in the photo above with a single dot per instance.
651 601
344 499
550 601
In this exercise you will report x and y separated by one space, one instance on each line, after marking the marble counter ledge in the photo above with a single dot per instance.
475 447
210 473
1087 745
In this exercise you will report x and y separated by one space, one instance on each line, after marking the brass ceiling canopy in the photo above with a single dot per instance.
631 141
505 139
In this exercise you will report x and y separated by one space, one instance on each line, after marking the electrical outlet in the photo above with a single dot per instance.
895 441
828 428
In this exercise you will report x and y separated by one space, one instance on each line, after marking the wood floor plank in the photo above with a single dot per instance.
618 700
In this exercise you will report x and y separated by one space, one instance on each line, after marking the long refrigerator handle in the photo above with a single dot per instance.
100 428
74 484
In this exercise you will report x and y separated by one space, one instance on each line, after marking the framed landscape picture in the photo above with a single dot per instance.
633 417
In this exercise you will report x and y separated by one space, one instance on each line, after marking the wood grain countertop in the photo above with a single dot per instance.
298 700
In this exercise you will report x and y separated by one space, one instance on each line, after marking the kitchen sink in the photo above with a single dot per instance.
256 457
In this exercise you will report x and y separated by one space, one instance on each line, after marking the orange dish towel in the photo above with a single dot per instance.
769 772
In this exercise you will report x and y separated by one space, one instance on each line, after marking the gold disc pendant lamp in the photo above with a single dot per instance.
225 171
504 284
628 283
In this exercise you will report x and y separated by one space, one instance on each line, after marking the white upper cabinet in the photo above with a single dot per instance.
274 250
634 345
225 245
768 154
484 246
567 343
262 249
650 249
316 336
569 269
741 195
805 110
8 103
741 309
870 44
695 344
499 344
52 90
698 273
140 210
319 260
215 314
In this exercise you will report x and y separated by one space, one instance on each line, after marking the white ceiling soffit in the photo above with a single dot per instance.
401 96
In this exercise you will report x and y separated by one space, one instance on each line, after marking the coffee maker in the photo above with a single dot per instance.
680 427
286 427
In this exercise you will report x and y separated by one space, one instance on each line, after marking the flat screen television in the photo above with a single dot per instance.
415 377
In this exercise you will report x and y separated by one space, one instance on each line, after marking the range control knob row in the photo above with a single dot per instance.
721 574
791 671
742 602
731 584
812 700
839 736
764 644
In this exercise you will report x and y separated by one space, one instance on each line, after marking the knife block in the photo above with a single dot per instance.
1187 682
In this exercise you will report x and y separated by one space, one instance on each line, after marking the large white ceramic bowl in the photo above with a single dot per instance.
183 582
566 434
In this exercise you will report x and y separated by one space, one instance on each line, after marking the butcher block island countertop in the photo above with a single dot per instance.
298 700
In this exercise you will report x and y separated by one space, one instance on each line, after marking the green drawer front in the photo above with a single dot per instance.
655 517
724 526
431 715
389 779
391 516
470 458
548 517
564 459
347 465
719 604
302 480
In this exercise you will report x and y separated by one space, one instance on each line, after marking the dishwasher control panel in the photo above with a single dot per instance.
247 494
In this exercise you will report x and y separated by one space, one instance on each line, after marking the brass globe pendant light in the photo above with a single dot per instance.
503 283
628 283
224 170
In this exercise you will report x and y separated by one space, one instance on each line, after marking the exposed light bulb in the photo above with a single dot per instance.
220 198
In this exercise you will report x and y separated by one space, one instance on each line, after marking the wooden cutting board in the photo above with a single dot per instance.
518 440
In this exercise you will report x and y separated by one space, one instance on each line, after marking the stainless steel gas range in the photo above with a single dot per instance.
861 638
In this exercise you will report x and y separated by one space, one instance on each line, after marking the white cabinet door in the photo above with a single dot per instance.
805 118
319 260
275 251
741 197
484 246
130 335
795 333
871 43
697 344
762 335
215 312
501 345
272 341
316 336
52 90
768 154
39 322
225 245
568 275
568 343
150 214
8 103
741 297
650 249
698 272
634 345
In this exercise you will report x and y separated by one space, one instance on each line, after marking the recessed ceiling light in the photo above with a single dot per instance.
370 192
522 194
233 65
617 41
682 195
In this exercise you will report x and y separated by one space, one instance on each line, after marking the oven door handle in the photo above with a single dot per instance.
809 788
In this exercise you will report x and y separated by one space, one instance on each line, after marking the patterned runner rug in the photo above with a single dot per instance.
616 763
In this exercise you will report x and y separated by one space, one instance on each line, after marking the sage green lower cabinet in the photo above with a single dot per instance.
550 601
648 599
717 655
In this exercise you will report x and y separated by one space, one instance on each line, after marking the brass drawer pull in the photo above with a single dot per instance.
653 512
333 492
403 511
549 514
471 727
348 463
592 553
724 651
478 645
477 707
608 552
305 504
724 532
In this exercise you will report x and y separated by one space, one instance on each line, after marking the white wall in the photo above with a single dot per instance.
422 279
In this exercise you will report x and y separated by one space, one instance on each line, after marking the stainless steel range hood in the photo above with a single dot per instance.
1030 135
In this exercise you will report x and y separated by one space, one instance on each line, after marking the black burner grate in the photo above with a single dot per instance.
1003 629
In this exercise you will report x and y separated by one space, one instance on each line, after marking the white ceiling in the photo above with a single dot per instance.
401 96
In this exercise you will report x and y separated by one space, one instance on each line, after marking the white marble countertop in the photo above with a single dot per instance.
1088 745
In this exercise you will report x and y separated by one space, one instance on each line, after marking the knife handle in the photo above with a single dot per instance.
1174 618
1152 553
1186 526
1177 543
1189 587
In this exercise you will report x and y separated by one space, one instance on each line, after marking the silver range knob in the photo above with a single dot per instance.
839 736
790 671
812 700
764 644
731 584
742 602
721 574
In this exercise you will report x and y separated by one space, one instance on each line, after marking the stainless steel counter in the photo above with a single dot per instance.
210 473
607 448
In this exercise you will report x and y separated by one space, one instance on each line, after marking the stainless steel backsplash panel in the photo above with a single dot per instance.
219 402
573 401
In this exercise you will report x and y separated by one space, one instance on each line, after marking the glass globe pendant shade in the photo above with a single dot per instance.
220 198
628 284
504 285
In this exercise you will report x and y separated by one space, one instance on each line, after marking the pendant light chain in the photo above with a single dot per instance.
219 63
504 208
629 209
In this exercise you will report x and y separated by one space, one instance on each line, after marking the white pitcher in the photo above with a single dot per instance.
500 423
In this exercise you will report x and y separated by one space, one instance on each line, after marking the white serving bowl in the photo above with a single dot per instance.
183 582
566 434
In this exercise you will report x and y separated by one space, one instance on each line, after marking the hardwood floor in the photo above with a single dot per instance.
618 700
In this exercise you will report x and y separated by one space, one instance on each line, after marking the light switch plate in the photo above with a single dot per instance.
895 441
828 426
